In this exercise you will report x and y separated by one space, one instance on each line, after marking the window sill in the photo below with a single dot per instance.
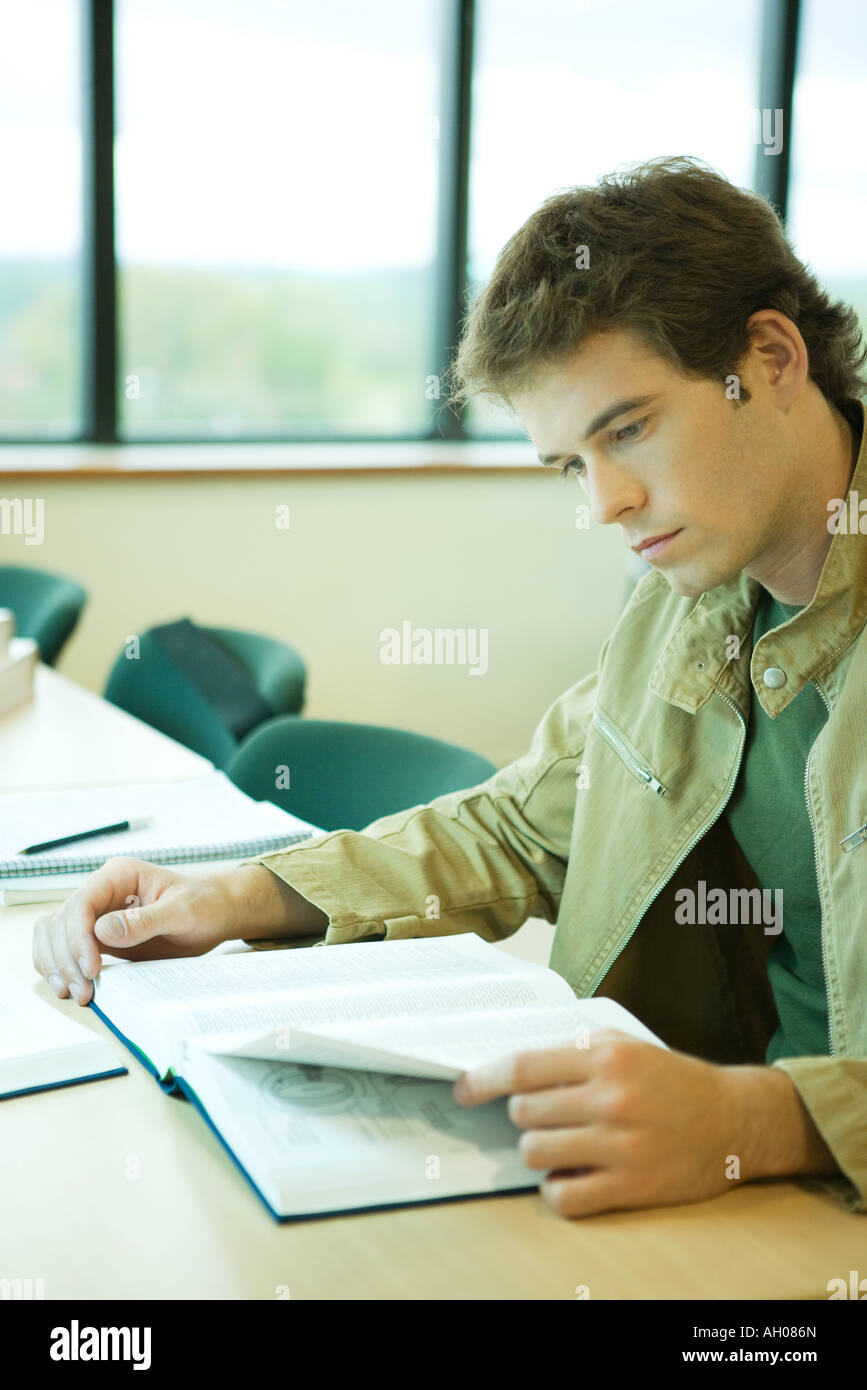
106 460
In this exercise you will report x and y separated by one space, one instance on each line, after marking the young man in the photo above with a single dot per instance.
660 340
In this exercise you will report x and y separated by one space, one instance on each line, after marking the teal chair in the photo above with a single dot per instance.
158 692
46 606
343 776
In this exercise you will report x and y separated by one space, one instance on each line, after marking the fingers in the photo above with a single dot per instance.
66 949
605 1051
560 1105
43 957
69 970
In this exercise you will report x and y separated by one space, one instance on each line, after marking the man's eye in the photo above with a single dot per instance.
576 468
636 425
571 468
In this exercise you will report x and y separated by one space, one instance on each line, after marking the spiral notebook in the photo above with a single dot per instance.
201 818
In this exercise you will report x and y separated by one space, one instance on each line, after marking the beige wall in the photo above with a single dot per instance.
466 549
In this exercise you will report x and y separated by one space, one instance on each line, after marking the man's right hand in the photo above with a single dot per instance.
141 911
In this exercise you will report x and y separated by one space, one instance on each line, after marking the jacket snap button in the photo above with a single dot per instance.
774 677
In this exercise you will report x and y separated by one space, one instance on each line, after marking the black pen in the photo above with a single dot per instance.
135 824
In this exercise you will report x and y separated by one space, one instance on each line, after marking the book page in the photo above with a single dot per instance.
39 1047
436 1045
369 981
319 1139
29 1026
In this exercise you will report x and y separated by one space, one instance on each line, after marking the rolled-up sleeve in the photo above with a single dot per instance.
834 1092
483 859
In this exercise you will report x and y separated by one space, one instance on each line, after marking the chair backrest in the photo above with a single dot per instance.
155 690
167 693
344 776
279 671
46 606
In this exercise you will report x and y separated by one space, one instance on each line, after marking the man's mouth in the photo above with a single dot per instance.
652 546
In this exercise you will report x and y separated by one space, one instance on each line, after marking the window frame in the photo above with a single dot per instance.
445 444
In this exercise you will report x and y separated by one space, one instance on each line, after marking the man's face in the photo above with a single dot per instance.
689 460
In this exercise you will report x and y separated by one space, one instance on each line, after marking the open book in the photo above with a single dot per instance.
327 1074
40 1048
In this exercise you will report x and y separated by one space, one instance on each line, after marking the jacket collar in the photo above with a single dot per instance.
700 656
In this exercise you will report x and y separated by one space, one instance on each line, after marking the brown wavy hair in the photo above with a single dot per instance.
677 254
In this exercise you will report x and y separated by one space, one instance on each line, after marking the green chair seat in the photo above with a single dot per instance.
344 776
46 606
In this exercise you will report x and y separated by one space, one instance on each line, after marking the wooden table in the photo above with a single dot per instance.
68 737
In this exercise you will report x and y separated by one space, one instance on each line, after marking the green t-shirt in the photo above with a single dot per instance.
768 816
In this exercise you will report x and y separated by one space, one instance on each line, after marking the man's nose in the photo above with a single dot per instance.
612 492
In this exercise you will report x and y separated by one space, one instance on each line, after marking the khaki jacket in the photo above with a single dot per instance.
618 805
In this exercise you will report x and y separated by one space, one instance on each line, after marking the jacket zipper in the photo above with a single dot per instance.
601 976
639 769
855 839
818 881
605 969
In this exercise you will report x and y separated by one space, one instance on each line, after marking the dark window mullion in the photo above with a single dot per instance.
454 168
99 327
779 43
